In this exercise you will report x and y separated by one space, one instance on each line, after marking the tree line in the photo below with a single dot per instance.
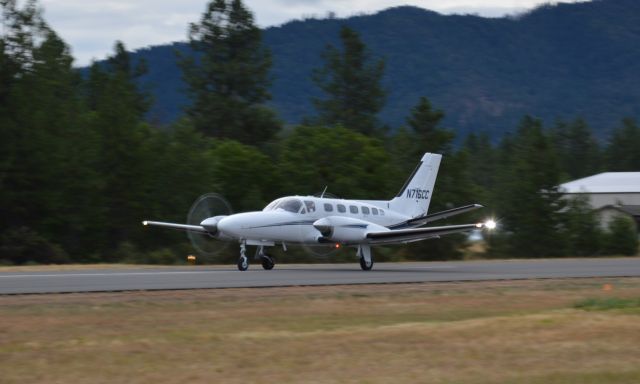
80 166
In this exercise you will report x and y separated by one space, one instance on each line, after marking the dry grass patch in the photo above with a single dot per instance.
484 332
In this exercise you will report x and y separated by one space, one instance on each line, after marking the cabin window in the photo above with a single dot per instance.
374 211
311 206
342 208
328 207
365 210
381 212
353 209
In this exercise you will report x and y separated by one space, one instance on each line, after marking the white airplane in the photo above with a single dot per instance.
321 221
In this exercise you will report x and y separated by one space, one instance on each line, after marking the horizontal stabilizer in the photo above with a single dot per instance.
415 234
184 227
418 221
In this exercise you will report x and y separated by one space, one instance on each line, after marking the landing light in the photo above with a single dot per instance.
337 245
145 223
490 224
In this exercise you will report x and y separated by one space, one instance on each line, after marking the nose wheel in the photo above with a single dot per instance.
243 261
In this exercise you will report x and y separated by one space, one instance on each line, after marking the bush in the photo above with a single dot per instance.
23 245
162 256
622 238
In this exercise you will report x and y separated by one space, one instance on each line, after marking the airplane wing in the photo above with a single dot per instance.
415 234
184 227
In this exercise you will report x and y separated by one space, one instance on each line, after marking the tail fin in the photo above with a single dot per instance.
414 197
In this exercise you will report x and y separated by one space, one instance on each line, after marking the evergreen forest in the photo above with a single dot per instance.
82 164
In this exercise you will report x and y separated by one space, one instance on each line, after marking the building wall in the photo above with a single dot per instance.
606 215
599 200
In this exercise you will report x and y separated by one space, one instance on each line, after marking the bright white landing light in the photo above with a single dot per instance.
490 224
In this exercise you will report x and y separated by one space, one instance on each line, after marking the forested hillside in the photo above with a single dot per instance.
559 61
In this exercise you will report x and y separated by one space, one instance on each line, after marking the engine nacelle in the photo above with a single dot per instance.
341 229
211 224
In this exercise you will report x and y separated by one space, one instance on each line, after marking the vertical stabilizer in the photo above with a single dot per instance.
414 197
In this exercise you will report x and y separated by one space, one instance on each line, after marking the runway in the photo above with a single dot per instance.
106 280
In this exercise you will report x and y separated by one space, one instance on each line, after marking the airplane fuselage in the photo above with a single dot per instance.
291 220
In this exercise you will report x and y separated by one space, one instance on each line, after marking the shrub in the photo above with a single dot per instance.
622 238
23 245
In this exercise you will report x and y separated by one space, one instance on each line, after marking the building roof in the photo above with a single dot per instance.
607 182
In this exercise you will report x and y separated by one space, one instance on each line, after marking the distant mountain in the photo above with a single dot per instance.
557 61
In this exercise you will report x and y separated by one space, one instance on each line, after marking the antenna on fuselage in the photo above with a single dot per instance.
324 191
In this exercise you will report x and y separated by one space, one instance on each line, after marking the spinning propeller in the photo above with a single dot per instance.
206 206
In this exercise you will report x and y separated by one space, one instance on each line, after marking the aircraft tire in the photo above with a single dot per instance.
267 262
243 263
364 266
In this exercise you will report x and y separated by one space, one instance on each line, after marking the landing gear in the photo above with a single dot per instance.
243 262
366 266
267 261
366 261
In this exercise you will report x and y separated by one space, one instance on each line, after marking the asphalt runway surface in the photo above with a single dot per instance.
197 277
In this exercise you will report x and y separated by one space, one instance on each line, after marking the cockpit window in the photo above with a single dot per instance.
271 205
290 205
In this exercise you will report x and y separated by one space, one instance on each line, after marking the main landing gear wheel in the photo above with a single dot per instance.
243 263
267 262
366 260
364 265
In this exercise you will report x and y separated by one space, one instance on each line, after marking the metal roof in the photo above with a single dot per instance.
607 182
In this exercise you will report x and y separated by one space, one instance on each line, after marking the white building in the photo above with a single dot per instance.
611 194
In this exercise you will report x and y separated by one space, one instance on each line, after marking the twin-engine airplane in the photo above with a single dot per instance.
321 221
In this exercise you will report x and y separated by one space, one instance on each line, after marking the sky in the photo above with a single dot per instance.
92 27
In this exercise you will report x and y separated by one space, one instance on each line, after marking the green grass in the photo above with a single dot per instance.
609 303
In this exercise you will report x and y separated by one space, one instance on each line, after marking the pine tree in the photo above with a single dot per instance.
229 75
453 187
578 151
351 79
118 108
422 134
48 180
482 165
530 204
622 152
582 230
